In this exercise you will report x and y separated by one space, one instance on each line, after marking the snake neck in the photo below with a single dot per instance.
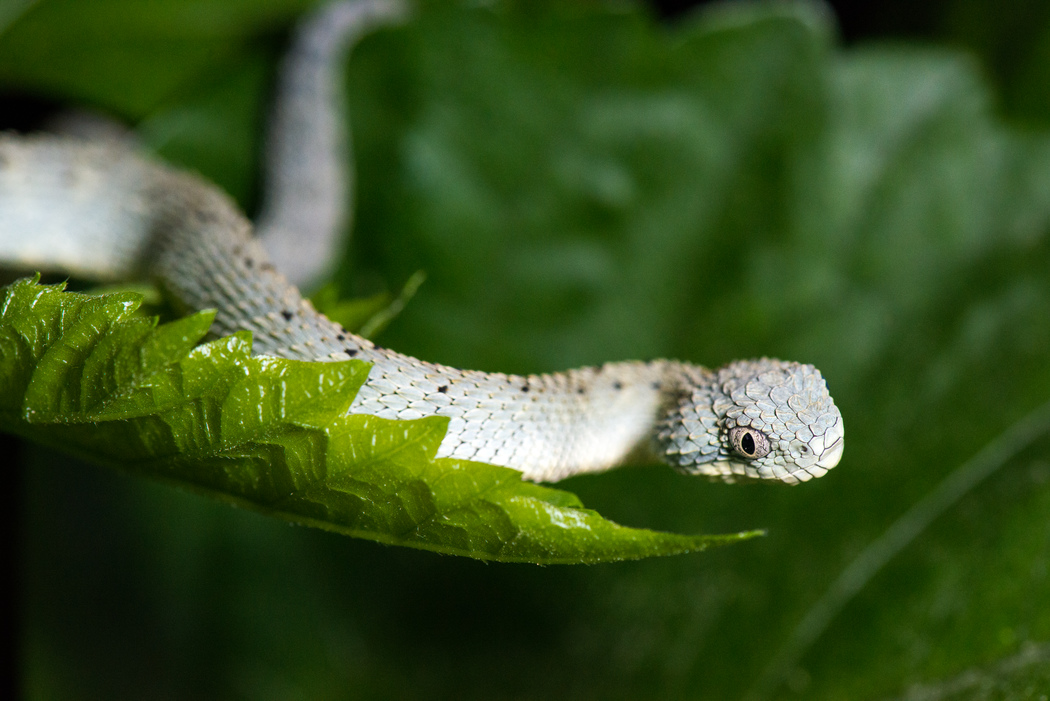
546 426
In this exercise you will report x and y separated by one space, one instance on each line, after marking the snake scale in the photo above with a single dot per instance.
98 210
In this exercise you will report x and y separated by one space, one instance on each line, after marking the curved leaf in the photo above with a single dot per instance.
86 374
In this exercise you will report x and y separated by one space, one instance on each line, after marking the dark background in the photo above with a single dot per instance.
1007 38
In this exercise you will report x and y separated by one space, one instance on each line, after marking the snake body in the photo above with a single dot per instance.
99 210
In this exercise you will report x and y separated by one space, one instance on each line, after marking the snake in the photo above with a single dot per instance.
99 209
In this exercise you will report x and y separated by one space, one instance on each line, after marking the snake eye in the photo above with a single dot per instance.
748 442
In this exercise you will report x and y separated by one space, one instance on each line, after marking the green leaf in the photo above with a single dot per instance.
86 374
371 315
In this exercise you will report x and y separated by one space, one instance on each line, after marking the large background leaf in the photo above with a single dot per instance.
582 185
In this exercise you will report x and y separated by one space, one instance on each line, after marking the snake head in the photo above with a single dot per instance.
754 419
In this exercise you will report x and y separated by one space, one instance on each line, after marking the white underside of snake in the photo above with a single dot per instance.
98 210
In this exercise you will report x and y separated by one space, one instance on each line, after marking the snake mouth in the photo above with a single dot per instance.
832 454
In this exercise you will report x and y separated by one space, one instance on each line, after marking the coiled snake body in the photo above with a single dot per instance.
100 211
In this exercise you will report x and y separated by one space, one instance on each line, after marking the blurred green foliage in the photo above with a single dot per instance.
1013 40
581 184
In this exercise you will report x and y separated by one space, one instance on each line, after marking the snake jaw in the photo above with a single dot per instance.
784 408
